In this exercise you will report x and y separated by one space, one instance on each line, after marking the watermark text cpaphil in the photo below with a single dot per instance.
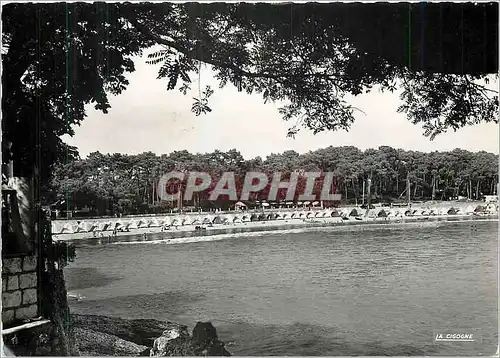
178 185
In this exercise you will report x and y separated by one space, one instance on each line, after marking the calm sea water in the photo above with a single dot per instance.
361 291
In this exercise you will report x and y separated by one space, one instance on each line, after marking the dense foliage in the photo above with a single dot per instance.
120 183
58 57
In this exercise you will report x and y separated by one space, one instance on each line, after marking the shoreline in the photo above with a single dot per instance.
186 234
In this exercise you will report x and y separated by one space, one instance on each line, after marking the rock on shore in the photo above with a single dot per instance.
112 336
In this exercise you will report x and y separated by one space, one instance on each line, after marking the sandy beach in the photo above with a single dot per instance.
188 233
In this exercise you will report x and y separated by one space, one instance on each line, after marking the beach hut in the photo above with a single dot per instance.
55 228
271 216
166 221
452 211
83 226
315 203
325 213
294 215
208 219
287 215
302 214
278 216
217 219
103 226
226 219
413 212
321 214
479 209
142 223
196 220
176 221
354 212
69 228
393 213
120 225
237 219
310 214
335 213
154 223
125 226
254 217
245 218
132 224
381 213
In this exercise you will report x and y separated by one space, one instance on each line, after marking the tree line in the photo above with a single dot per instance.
127 184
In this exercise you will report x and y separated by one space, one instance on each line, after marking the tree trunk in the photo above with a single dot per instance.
434 187
369 195
345 185
153 192
477 188
355 187
363 202
408 188
179 201
423 187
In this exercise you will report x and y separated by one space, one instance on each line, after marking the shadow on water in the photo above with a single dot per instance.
170 304
79 278
300 339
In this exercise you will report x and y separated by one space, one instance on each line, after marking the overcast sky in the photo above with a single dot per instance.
147 117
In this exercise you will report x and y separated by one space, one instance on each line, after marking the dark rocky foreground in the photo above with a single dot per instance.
112 336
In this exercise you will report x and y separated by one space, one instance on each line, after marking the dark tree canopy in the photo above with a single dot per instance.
120 183
59 57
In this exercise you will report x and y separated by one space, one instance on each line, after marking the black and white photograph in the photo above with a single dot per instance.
250 178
